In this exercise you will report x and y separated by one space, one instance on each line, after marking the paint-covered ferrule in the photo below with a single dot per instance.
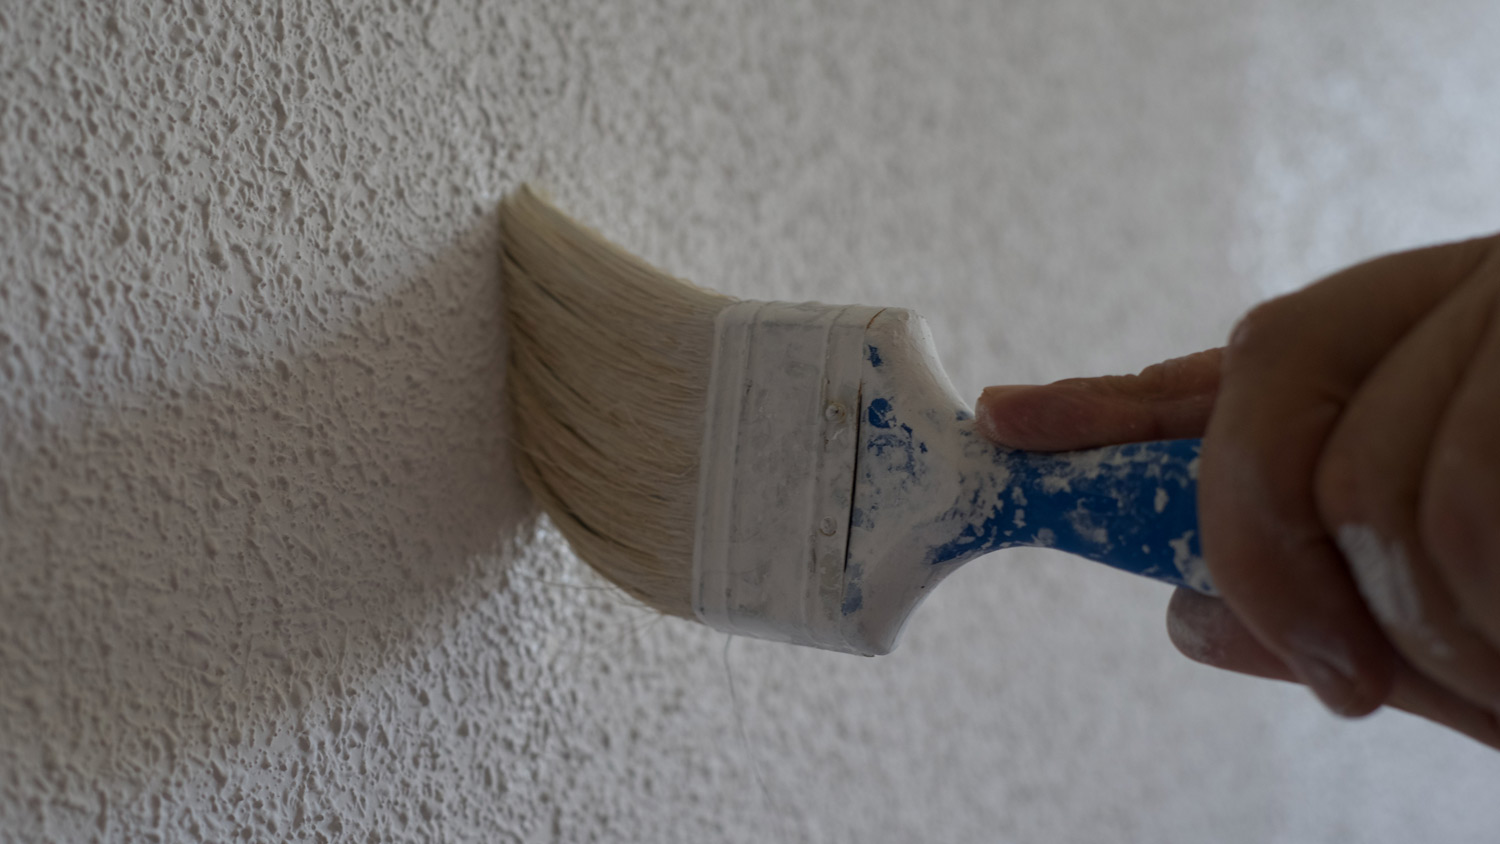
776 481
843 477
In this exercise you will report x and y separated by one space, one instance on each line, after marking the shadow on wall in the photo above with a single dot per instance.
186 565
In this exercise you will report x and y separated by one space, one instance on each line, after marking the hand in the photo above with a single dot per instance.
1349 495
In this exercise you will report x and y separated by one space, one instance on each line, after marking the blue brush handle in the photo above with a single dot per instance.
1133 507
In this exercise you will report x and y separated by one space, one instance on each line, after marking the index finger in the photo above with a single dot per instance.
1167 400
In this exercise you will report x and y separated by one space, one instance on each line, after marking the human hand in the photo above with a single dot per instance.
1349 492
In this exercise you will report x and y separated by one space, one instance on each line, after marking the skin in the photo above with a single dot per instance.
1365 407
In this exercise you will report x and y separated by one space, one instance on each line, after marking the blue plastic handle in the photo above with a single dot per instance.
1133 507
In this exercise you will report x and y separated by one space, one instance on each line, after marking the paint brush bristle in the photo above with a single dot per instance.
609 373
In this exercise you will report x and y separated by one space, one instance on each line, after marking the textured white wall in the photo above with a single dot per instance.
265 572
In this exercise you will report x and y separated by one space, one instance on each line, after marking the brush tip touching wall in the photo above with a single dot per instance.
609 370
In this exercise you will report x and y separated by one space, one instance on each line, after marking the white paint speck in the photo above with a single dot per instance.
1054 484
1084 525
1161 499
1191 566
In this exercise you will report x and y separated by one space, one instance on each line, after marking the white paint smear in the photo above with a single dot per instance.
1383 573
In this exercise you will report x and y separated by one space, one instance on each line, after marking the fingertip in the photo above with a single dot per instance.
1198 627
1004 415
993 400
1206 631
984 414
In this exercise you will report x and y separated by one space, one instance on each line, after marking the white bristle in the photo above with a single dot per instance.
609 373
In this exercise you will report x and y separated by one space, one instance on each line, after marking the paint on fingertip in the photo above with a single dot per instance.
1199 629
1382 571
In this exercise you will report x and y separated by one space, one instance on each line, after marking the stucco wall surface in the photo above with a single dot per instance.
266 573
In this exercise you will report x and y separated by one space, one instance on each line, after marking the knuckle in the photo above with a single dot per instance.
1340 481
1180 376
1261 331
1152 380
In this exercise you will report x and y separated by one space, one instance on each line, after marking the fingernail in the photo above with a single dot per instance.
1332 688
985 416
994 394
1325 667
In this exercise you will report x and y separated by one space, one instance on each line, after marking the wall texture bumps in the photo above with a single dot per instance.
265 573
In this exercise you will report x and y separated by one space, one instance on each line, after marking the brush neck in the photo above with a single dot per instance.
932 494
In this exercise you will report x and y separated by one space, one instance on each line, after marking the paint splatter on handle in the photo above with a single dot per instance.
1133 506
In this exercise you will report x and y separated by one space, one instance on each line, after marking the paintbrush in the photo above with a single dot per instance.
798 472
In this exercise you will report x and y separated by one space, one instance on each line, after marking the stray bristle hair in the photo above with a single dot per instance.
609 370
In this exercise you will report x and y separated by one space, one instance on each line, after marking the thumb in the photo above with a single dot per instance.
1169 400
